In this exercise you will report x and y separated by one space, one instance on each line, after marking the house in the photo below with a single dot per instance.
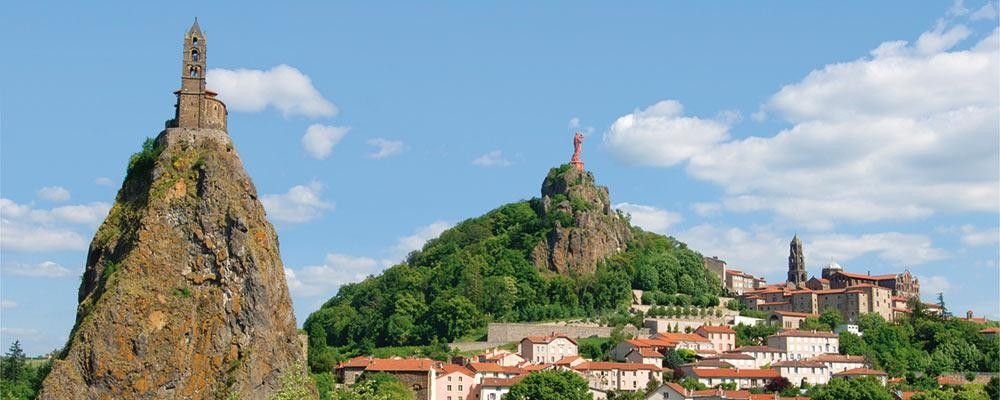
763 355
645 355
495 388
990 333
849 328
799 371
800 345
688 341
489 370
743 378
737 360
419 374
568 362
788 319
500 357
674 391
547 349
723 338
860 372
349 371
454 382
607 376
839 362
979 320
628 345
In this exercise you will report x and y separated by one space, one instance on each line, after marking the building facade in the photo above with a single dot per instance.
548 348
800 345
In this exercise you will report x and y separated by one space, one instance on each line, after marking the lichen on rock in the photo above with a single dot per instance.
184 294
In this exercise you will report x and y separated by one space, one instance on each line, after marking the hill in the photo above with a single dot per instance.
565 254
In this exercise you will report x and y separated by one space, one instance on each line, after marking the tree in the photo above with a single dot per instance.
625 395
453 317
550 385
692 384
831 318
672 359
864 388
940 303
993 388
15 365
778 384
727 386
378 386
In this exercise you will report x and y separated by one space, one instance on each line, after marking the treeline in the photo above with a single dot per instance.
924 344
19 378
480 271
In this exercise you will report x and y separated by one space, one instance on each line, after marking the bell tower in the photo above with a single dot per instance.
196 106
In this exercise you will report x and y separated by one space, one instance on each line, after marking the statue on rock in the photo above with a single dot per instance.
577 147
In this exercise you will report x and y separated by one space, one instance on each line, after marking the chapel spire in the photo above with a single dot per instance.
197 106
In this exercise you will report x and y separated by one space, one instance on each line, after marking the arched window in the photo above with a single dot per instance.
193 71
194 40
194 55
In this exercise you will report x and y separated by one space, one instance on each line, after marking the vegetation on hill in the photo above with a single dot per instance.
19 379
923 344
550 385
482 270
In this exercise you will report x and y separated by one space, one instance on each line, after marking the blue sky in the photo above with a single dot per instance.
871 130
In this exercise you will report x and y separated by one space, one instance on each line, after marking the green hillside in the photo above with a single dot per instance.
483 270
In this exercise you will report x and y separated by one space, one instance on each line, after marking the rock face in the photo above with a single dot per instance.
587 229
184 294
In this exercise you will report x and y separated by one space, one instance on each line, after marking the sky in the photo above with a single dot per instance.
870 129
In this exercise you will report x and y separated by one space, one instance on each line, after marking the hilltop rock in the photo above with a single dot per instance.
587 229
184 294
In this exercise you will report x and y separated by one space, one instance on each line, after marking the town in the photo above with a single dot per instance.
692 358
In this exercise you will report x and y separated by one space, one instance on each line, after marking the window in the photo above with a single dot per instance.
193 71
460 388
194 40
194 55
449 378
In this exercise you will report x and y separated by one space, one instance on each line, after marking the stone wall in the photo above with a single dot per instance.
513 332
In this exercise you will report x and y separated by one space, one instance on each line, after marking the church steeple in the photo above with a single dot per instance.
796 262
196 106
193 70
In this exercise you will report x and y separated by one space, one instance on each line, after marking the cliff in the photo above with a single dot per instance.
184 293
586 228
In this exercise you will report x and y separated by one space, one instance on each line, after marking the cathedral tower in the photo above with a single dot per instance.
196 106
796 263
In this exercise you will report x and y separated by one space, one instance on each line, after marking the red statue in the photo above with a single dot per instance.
577 144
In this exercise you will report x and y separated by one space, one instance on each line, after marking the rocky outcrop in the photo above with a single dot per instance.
586 228
184 294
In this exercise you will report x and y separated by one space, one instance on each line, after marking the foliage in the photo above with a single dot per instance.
967 392
295 385
827 321
481 270
692 384
753 335
380 386
993 388
727 386
325 383
626 395
142 162
779 384
18 379
923 343
595 348
550 385
864 388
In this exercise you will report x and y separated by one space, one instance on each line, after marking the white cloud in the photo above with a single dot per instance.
26 228
574 123
494 158
20 333
957 9
707 209
884 137
932 285
320 139
407 244
661 135
385 148
972 236
104 181
987 11
53 193
282 87
302 203
338 269
758 250
7 304
901 249
650 218
45 269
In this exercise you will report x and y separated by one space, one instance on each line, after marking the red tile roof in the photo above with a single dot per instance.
866 277
735 373
356 362
647 352
799 363
446 369
405 364
990 330
756 349
674 338
798 333
734 356
795 314
860 371
566 360
601 365
838 358
548 338
503 382
490 367
716 329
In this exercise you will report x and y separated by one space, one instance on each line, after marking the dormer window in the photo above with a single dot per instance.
194 55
